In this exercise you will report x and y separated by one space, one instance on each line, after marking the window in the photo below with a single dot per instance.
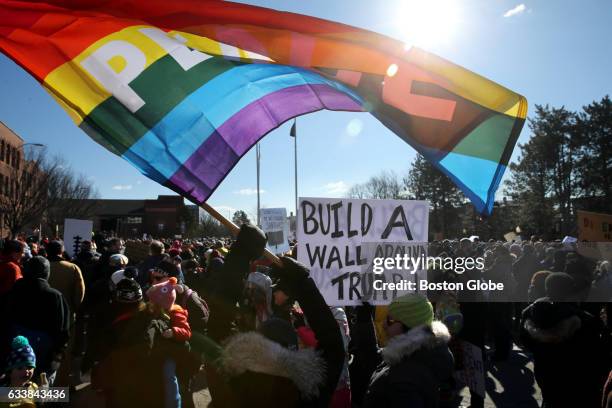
160 227
2 151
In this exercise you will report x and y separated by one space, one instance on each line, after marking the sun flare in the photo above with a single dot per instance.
427 23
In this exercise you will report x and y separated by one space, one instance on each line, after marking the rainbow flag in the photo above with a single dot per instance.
182 89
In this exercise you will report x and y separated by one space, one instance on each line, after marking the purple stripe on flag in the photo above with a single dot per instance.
245 128
208 166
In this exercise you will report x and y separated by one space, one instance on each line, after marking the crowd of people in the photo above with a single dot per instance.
265 337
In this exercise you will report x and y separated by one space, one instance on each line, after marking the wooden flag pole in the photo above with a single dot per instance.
234 229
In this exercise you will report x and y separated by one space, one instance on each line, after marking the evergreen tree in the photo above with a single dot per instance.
425 182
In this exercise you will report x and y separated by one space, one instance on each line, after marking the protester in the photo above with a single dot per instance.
10 270
66 277
417 362
129 343
161 300
40 313
156 255
571 360
258 371
19 369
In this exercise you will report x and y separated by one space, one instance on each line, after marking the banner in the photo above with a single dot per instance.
183 89
338 240
275 224
472 374
75 232
594 227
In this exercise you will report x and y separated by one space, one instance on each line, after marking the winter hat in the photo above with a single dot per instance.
559 286
37 267
546 314
118 260
166 267
21 354
280 331
128 273
164 294
128 291
263 282
412 310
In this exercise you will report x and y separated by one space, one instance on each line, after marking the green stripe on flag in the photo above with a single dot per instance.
162 86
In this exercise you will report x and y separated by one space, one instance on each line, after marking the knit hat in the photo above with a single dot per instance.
412 310
21 354
559 286
118 260
128 291
37 267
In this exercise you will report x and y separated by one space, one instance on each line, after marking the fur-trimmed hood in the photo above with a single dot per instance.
404 345
559 333
253 352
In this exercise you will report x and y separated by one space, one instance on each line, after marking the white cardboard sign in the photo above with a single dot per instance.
339 237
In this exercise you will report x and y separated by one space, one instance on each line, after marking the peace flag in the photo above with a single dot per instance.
183 89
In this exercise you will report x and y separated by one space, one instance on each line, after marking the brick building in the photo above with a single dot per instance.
11 159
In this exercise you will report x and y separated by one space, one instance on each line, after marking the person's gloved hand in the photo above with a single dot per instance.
251 241
291 274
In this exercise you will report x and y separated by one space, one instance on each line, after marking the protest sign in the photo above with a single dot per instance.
275 224
338 239
594 227
75 232
472 373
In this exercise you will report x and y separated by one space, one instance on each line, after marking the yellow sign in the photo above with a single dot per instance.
594 227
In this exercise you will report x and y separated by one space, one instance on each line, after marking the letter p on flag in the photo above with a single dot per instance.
116 81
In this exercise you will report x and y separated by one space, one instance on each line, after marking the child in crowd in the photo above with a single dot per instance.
19 369
161 300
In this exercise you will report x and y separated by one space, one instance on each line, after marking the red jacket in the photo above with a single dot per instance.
178 321
9 273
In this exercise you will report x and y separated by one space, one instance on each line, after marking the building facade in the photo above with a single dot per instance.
11 160
163 217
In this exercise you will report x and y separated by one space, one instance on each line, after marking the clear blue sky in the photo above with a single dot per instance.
555 52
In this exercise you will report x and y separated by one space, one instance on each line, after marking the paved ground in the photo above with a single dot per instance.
509 384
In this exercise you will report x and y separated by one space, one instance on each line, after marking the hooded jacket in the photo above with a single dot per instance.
415 366
571 359
295 391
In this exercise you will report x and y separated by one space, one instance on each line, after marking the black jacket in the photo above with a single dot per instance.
570 351
416 365
294 384
33 306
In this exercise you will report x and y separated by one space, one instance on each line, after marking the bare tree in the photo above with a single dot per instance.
38 188
386 185
210 227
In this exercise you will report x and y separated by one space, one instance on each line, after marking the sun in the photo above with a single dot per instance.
427 23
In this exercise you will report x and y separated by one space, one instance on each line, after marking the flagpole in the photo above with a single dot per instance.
258 154
234 229
295 163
